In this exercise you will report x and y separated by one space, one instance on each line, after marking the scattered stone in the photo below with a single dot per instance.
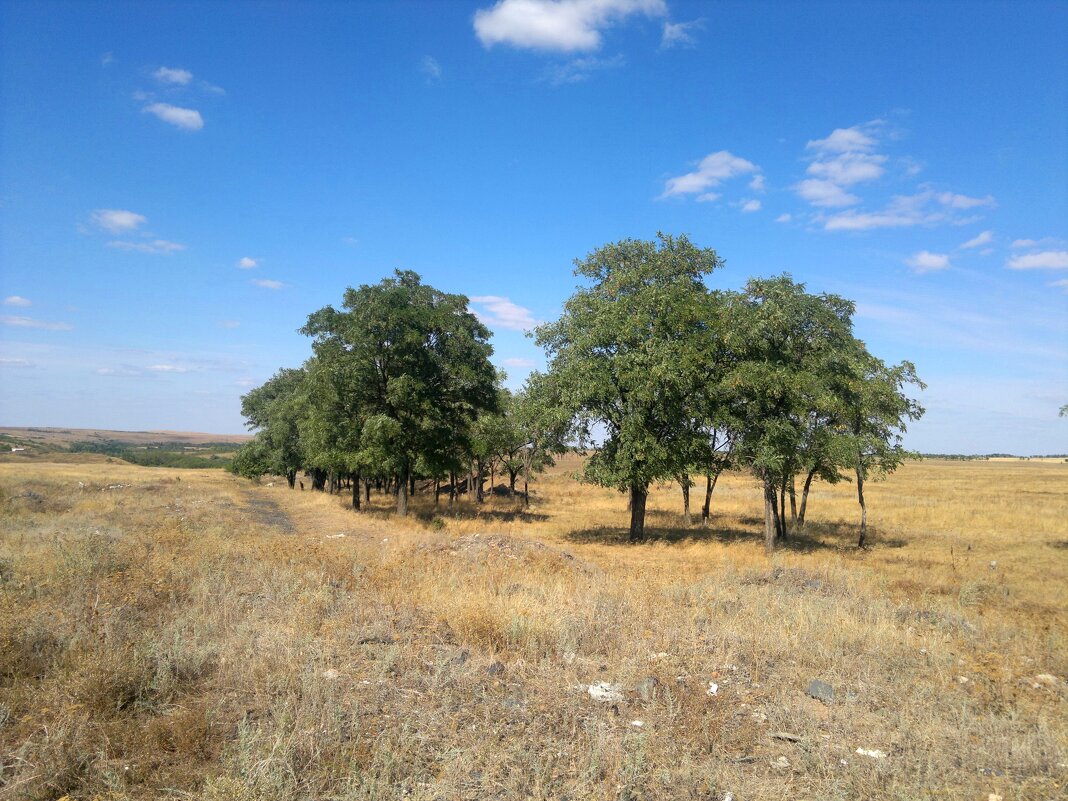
335 536
994 797
962 679
569 657
496 669
637 723
713 688
821 691
330 674
605 693
758 717
782 763
659 655
387 640
1048 679
461 657
782 735
646 689
874 753
728 796
993 564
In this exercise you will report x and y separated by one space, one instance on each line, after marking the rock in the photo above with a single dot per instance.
782 763
874 753
782 735
646 689
1048 679
637 723
821 691
330 674
461 657
713 688
605 693
496 669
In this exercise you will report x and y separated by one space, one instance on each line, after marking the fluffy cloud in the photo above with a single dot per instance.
16 300
561 25
985 238
173 77
30 322
267 283
845 140
186 118
680 34
117 220
247 263
825 193
712 171
156 246
498 312
923 208
1044 260
757 184
927 262
843 159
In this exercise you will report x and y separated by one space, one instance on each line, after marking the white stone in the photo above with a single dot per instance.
605 693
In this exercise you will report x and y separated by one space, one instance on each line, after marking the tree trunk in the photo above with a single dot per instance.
478 484
411 484
402 493
291 478
804 499
863 541
685 482
318 479
710 484
782 512
493 476
793 504
437 489
771 514
512 476
356 492
452 486
638 496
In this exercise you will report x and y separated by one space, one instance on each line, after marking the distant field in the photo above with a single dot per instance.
188 634
65 437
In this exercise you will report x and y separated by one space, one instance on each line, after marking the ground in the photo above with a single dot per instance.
189 634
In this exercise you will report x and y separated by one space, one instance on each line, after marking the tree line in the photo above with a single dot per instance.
654 374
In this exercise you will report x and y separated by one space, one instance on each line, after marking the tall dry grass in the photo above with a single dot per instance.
192 635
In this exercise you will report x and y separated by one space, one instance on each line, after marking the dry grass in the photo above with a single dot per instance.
191 635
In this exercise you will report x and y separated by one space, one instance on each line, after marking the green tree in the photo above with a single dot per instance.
418 363
275 409
629 355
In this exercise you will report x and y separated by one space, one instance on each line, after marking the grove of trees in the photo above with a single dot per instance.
654 374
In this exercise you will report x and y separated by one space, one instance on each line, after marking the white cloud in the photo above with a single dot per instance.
784 218
29 322
927 262
708 197
680 34
751 205
173 77
562 25
430 67
229 323
186 118
16 300
1044 260
1062 284
579 69
825 193
117 220
713 170
107 58
757 184
519 362
926 207
247 263
167 368
267 283
118 371
955 201
849 168
15 363
985 238
844 140
1024 243
157 246
498 312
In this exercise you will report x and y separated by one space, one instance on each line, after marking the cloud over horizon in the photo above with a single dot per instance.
557 25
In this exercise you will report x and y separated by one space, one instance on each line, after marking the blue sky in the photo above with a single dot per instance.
182 184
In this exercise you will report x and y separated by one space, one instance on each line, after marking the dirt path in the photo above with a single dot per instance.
267 512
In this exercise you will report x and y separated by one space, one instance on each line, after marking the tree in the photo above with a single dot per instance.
630 354
418 364
275 409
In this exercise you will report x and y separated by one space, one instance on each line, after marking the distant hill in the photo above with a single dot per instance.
62 438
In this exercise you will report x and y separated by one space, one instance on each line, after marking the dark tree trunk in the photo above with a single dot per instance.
437 489
804 499
793 505
771 515
291 478
356 492
685 483
863 541
318 479
710 484
493 476
478 484
411 484
402 493
638 497
512 476
452 486
782 512
367 490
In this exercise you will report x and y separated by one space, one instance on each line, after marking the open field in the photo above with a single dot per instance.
53 438
188 634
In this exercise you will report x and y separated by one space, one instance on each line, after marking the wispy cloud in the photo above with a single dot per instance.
173 77
926 207
117 220
185 118
1060 284
167 368
498 312
430 67
713 169
927 262
561 25
1044 260
749 206
579 69
519 362
17 300
15 364
784 218
229 323
247 263
30 322
680 34
156 246
267 283
985 238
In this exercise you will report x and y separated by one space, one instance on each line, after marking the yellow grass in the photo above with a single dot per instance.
192 635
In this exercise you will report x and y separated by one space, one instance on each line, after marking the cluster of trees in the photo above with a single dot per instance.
162 454
400 387
671 381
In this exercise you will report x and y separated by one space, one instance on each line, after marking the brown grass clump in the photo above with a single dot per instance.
169 633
